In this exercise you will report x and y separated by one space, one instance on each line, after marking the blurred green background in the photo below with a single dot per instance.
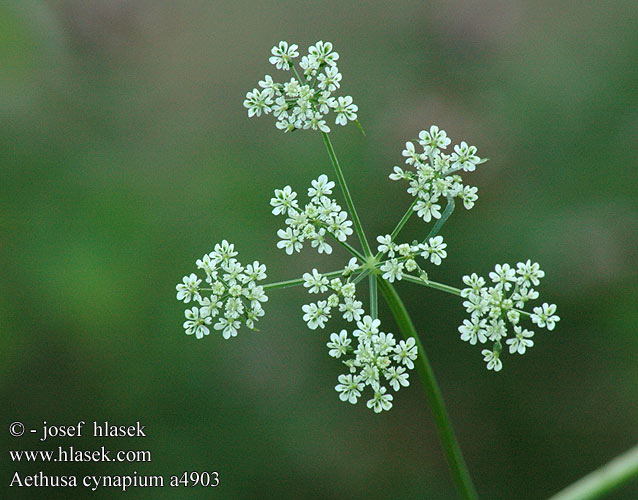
126 154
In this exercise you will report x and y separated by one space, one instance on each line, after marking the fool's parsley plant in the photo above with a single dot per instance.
226 294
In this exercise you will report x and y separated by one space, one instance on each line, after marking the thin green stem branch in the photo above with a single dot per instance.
446 288
374 301
603 480
342 182
347 246
361 275
298 281
404 220
432 284
346 193
460 473
352 250
344 187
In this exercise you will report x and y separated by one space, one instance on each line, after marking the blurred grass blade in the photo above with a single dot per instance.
603 480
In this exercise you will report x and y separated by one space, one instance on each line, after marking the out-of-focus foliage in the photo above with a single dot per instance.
126 154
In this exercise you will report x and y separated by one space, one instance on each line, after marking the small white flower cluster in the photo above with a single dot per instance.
493 307
371 360
232 293
320 217
376 360
304 101
343 297
401 257
435 172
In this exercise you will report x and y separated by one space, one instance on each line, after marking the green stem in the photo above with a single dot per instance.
298 281
346 193
406 217
447 289
347 246
344 187
374 301
360 127
352 250
603 480
361 275
404 220
460 474
432 284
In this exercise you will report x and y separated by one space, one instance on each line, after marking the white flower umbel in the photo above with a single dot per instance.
320 218
493 307
375 360
230 293
306 100
342 296
432 176
401 258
